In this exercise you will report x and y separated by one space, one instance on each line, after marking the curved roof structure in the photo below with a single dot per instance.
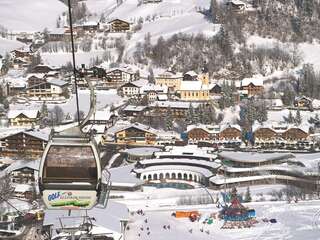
253 157
180 161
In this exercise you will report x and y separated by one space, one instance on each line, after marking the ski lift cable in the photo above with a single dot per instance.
73 60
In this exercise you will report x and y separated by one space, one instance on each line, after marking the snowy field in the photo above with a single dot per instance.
62 58
17 15
294 221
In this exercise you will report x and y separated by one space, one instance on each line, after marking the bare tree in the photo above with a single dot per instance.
56 115
6 188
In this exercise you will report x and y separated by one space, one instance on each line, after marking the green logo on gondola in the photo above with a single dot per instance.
62 199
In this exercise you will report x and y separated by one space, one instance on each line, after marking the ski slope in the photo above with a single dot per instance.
30 15
295 221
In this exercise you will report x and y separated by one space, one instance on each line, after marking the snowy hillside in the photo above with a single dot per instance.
101 6
17 15
164 19
130 10
310 52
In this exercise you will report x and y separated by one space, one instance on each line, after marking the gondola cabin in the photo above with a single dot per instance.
70 174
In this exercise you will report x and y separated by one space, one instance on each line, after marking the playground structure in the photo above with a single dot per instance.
236 215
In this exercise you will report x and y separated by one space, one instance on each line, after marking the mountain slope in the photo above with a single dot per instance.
30 15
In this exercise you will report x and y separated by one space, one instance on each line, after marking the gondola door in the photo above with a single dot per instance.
70 176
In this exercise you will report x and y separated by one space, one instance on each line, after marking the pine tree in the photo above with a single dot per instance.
151 78
190 114
298 118
308 8
247 197
214 10
169 120
225 42
6 63
262 114
290 118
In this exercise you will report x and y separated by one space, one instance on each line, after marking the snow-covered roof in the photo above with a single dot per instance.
124 176
255 81
140 83
41 134
57 82
142 151
298 170
170 74
22 50
37 133
191 73
28 113
236 2
189 151
299 98
280 128
225 126
180 161
174 104
310 160
252 157
19 164
139 126
117 19
37 75
122 69
152 87
90 23
193 86
167 135
134 108
208 128
220 180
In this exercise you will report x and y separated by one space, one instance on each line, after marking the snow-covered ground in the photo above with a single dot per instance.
294 221
30 15
62 58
